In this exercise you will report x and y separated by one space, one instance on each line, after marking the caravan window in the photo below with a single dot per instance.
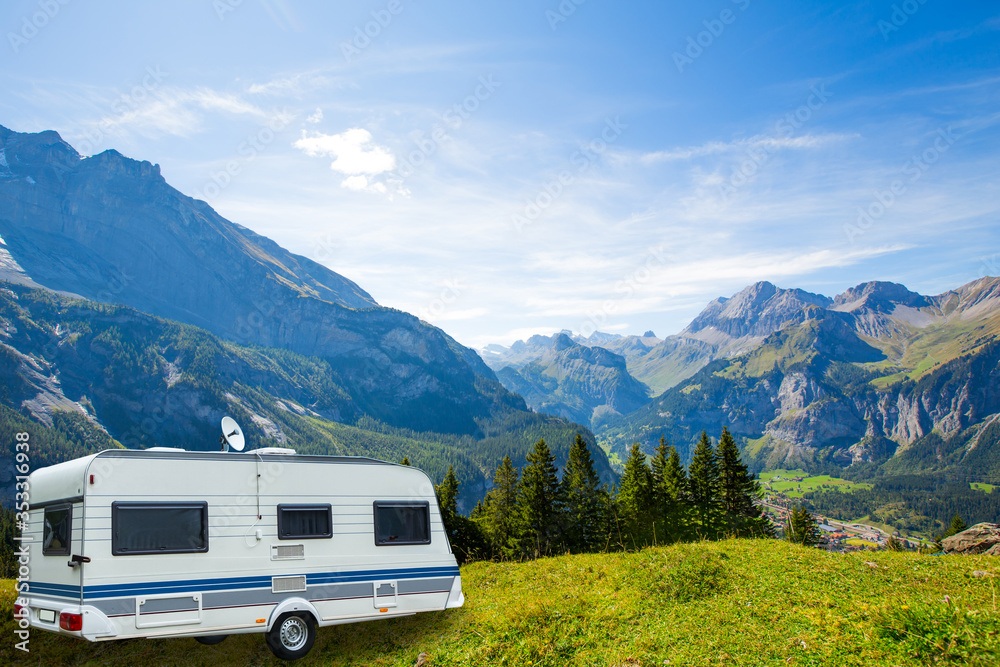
297 522
402 523
56 534
159 528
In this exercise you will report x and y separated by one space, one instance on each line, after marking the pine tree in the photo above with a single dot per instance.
635 501
676 480
447 495
704 491
467 539
8 560
539 504
801 528
586 522
956 527
741 516
669 493
497 513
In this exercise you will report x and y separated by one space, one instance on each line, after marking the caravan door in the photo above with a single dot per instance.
57 539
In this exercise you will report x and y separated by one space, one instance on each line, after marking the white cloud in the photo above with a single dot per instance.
361 184
657 287
354 155
213 100
759 141
455 315
315 117
353 152
159 110
355 183
297 85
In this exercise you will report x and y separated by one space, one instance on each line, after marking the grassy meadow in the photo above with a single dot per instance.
735 602
808 483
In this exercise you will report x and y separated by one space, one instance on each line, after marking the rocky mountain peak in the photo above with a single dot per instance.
973 299
878 296
757 310
27 154
114 164
757 293
561 342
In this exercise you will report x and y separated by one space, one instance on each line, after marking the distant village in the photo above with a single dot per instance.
838 536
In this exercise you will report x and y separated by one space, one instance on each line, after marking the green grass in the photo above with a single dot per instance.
735 602
979 486
809 483
858 542
918 351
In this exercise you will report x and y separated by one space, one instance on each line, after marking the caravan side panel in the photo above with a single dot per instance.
142 575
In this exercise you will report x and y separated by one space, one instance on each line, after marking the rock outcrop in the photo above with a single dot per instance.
983 538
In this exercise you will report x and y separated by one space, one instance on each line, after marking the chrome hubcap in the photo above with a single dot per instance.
294 633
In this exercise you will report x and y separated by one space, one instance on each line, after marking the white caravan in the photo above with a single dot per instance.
169 543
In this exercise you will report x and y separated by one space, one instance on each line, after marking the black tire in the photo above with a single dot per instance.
211 640
292 635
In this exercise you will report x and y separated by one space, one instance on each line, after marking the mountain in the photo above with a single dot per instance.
751 315
110 225
725 328
560 376
109 229
878 377
82 376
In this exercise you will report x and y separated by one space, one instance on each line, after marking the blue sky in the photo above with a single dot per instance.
509 168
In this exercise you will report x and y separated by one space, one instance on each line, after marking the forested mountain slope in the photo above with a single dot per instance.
557 375
81 376
110 229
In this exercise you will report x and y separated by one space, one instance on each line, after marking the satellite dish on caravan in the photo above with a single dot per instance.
232 435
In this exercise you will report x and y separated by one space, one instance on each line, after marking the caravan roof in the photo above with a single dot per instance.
67 479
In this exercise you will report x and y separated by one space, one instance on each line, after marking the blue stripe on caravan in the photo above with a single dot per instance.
231 582
312 579
416 573
57 590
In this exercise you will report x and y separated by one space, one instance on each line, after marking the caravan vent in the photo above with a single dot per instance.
288 584
288 551
274 450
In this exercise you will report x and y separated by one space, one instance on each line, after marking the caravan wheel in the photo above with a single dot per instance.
292 636
211 640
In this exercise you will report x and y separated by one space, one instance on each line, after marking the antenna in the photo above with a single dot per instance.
232 435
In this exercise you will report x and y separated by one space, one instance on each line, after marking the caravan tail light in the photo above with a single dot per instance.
71 622
19 610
